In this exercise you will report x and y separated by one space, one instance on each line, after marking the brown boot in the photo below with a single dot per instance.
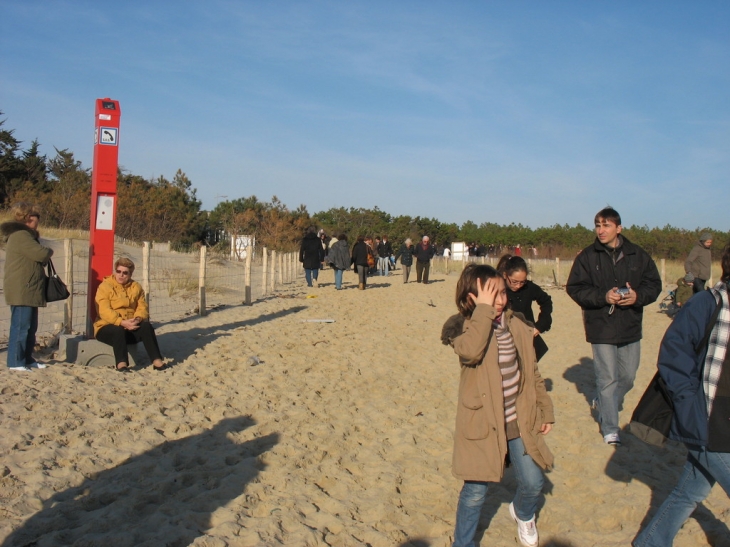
361 286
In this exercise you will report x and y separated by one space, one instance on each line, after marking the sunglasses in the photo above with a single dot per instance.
123 272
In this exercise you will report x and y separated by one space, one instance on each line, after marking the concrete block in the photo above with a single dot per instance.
68 346
95 353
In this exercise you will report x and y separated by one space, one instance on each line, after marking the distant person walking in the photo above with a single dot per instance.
311 255
424 253
25 283
405 253
339 257
612 280
699 262
385 249
359 259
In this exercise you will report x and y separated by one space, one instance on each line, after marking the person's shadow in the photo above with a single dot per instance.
660 468
165 496
583 376
170 346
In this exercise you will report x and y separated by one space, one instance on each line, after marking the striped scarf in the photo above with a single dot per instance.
717 345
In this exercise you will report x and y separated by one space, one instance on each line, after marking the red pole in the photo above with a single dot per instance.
103 200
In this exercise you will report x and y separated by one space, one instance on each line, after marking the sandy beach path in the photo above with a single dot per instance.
272 428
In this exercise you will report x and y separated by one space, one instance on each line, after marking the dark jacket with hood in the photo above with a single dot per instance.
25 258
699 261
311 253
598 269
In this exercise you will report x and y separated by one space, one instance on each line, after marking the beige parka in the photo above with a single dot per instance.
480 441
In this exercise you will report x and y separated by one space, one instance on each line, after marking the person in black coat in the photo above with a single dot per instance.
311 255
521 293
405 253
612 280
360 252
423 252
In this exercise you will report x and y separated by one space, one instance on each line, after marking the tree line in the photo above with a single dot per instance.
160 209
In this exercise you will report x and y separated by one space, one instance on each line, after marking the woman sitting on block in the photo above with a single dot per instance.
123 316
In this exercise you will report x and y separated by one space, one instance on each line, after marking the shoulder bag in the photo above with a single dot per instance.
652 418
55 288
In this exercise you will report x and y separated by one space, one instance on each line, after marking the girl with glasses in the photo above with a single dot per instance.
521 293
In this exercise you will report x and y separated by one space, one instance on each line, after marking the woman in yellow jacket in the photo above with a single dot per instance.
123 316
504 411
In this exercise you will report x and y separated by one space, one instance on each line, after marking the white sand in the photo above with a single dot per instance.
340 436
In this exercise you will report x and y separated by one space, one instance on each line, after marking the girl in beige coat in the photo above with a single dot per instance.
504 411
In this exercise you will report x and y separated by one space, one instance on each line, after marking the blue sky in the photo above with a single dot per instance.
537 113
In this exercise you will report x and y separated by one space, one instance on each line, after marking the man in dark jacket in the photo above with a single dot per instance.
311 255
698 380
612 280
424 252
699 262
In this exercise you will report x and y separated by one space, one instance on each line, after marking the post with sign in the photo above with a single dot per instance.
103 200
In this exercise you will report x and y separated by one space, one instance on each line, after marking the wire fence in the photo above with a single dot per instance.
177 283
180 283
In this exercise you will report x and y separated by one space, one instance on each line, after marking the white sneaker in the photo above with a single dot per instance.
21 368
36 365
613 439
526 529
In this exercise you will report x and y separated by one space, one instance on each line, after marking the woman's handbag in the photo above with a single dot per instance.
652 418
55 288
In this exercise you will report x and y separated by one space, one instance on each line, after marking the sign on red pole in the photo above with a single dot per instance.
103 200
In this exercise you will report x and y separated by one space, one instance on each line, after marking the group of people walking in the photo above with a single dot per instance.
366 258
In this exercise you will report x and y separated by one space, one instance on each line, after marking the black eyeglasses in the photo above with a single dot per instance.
123 272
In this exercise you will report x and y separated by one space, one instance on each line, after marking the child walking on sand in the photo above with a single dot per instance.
503 412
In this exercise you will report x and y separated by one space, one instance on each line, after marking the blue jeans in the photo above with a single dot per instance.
21 339
338 278
309 275
700 473
615 366
529 485
383 265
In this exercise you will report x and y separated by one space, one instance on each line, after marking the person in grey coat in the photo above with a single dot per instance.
339 258
25 283
699 262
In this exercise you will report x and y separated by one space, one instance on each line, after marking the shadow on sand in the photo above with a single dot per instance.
165 496
170 348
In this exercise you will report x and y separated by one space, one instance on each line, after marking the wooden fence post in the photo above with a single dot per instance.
146 271
664 272
263 278
201 281
247 287
273 271
68 275
557 271
281 269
